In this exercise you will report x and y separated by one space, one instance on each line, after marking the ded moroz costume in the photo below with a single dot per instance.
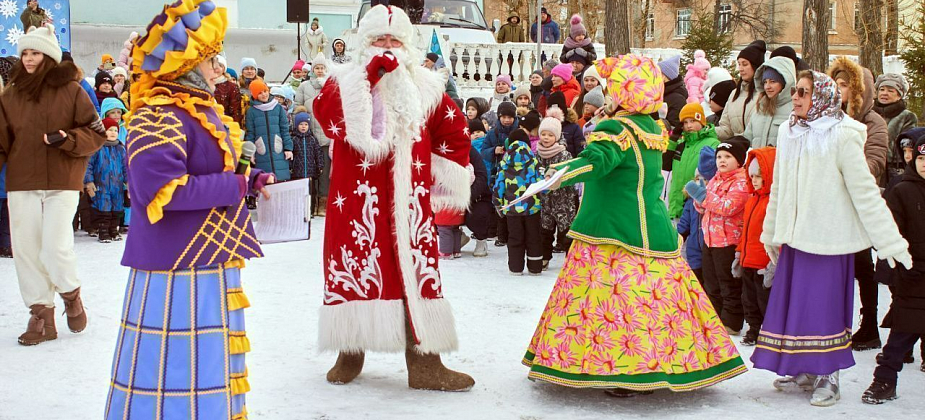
627 312
180 349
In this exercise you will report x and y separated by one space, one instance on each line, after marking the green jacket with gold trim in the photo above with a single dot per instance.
621 170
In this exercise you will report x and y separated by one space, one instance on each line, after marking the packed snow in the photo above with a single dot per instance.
495 315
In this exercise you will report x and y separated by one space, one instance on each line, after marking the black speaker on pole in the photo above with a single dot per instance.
297 11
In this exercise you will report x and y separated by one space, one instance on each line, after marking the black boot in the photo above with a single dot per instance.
879 392
103 230
751 337
867 336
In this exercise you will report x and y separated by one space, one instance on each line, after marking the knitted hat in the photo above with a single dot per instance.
537 72
671 67
557 99
319 61
300 118
694 111
577 55
706 165
507 109
257 87
223 61
522 91
919 149
543 10
550 64
519 135
789 52
506 79
232 73
110 123
298 65
771 74
40 39
119 71
577 28
106 58
183 35
101 78
277 91
432 57
248 62
476 125
592 72
595 97
895 81
720 92
551 125
564 71
754 53
737 146
385 20
530 121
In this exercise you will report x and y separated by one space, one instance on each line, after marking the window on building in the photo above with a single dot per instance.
833 12
683 26
650 27
725 17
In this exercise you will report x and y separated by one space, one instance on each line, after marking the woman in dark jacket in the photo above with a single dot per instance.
571 131
48 130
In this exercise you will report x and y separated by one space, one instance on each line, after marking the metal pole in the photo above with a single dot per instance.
539 35
298 39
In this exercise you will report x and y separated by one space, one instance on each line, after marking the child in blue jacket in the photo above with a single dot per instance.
105 183
689 224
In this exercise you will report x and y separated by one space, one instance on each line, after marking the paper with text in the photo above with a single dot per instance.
286 216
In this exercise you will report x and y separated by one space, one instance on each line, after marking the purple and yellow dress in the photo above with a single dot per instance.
180 349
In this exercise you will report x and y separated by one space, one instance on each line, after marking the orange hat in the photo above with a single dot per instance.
257 87
695 111
107 58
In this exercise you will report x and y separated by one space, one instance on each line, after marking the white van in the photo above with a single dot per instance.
455 20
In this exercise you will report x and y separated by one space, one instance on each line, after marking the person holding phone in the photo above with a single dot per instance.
191 231
48 130
33 16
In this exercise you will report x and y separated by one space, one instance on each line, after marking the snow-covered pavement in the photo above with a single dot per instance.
495 315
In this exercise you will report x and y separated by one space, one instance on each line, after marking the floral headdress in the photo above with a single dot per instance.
634 82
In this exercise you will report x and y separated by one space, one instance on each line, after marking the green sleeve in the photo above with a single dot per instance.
596 161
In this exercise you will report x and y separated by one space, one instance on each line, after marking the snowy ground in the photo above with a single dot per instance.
496 315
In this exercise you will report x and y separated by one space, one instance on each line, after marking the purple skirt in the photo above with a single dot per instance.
807 328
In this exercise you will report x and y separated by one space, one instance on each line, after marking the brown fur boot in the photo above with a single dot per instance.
74 308
426 371
41 326
322 206
347 368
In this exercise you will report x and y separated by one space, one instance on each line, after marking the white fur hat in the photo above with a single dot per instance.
385 20
41 39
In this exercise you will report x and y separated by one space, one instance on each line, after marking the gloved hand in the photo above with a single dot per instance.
385 62
697 190
737 267
261 182
903 258
773 253
768 274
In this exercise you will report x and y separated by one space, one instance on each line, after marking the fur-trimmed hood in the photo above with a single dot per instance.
861 82
62 74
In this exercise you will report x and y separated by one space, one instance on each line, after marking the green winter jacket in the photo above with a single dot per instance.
683 170
621 169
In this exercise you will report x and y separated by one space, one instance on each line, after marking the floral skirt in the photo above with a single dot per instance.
180 350
616 319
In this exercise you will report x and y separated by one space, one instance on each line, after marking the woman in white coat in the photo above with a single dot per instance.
315 39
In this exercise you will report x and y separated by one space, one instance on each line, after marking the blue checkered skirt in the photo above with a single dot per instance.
180 350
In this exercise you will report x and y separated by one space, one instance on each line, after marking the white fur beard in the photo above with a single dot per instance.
402 99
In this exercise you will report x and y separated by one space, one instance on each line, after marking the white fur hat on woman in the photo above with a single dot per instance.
41 39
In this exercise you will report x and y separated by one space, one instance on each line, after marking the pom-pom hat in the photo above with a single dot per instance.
179 38
577 28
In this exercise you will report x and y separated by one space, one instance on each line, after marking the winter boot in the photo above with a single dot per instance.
41 326
825 391
6 252
802 382
74 308
102 229
751 337
481 248
114 232
347 368
626 393
322 206
426 371
867 336
879 392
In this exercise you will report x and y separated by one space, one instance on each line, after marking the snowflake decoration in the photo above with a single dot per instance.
339 202
13 34
50 16
8 8
57 6
2 28
63 21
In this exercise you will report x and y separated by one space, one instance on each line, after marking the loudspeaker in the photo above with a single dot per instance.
297 11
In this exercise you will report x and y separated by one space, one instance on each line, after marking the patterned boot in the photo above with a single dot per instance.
41 326
347 368
74 308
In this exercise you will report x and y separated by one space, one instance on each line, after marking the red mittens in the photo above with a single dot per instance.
379 66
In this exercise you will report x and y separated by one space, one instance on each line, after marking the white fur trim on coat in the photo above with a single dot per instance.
370 325
451 189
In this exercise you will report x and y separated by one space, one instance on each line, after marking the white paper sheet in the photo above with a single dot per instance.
286 216
538 187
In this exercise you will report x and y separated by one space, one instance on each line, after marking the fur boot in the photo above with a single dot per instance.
41 326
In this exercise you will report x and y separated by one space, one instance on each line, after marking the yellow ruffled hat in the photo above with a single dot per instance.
634 82
179 38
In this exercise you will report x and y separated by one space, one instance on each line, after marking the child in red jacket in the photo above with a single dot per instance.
752 263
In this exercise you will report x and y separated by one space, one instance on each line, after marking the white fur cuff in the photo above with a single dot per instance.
451 189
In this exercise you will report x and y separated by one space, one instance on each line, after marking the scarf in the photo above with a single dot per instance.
826 110
221 79
890 111
194 79
551 151
572 44
267 106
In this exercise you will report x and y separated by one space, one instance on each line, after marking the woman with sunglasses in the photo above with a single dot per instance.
821 184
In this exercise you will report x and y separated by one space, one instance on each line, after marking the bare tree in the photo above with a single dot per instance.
617 27
870 35
816 33
642 22
891 31
756 18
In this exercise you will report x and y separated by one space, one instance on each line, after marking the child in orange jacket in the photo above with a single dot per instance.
752 263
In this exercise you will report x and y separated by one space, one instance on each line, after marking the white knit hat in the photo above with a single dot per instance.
119 70
41 39
385 20
551 125
319 60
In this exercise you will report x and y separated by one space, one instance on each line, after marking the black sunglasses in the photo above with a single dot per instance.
800 92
